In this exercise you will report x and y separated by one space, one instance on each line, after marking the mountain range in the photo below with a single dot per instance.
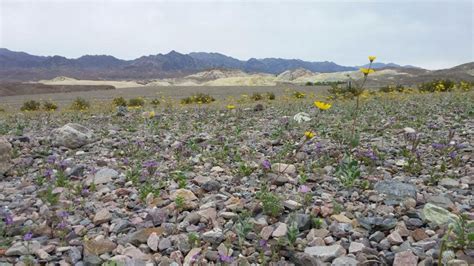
21 66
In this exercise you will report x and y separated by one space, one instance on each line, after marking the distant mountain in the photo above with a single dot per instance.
20 66
378 65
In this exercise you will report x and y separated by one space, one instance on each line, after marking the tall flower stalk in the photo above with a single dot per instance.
358 90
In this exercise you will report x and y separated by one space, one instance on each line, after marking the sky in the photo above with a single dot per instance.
425 33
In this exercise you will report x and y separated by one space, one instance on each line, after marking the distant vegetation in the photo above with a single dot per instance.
324 83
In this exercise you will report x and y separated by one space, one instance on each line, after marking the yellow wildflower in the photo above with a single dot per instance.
372 58
366 71
309 135
322 105
151 114
230 106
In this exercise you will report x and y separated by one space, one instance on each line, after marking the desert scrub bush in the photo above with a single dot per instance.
270 96
392 88
119 101
441 85
299 95
256 96
50 106
200 98
459 236
80 104
309 83
155 102
348 173
136 102
30 105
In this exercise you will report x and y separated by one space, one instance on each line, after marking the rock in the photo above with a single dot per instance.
102 216
165 244
438 215
188 195
396 191
284 168
189 259
317 233
413 223
266 232
214 237
304 259
345 261
409 130
441 201
341 218
378 223
356 247
153 241
394 238
258 107
98 247
292 205
211 185
135 253
41 254
325 253
457 263
92 260
377 236
419 234
142 235
72 136
103 176
303 221
449 183
74 255
281 230
5 155
405 258
23 248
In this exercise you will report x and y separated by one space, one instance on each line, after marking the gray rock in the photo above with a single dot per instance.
72 136
345 261
441 201
378 223
325 253
449 183
165 244
438 215
102 216
396 191
23 248
405 258
211 185
377 236
304 259
103 176
74 255
214 237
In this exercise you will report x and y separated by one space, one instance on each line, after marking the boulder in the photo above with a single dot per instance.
72 136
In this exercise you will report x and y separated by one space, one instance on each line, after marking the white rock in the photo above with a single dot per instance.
72 136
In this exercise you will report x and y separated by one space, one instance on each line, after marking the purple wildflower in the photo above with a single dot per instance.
63 214
225 258
63 165
85 192
126 161
48 173
304 189
266 164
51 159
8 219
438 146
62 225
453 155
28 236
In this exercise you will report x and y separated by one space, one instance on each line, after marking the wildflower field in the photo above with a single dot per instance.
299 178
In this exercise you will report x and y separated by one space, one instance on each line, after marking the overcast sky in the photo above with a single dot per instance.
430 34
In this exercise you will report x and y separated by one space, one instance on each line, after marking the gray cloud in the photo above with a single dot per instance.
432 34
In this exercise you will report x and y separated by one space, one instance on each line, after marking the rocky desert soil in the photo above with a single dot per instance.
278 183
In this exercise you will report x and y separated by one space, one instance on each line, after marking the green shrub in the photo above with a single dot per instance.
271 203
80 104
271 96
198 98
136 102
308 83
119 101
299 95
257 96
392 88
50 106
30 105
155 102
437 86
